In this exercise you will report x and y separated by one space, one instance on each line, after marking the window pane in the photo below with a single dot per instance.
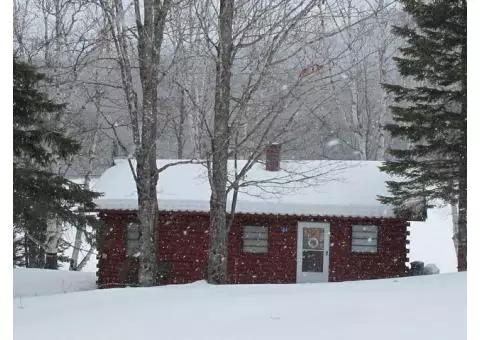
255 239
133 239
312 262
364 238
365 242
360 234
364 228
255 236
255 229
257 243
364 249
253 249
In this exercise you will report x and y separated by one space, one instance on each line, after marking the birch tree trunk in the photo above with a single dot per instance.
382 147
382 77
54 231
91 154
352 115
217 256
53 236
357 128
81 230
85 260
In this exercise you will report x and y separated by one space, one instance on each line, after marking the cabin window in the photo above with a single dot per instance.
133 239
364 238
255 239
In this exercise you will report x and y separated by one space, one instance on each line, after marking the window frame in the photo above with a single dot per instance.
255 245
357 248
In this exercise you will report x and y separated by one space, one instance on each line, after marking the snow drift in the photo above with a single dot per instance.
36 282
415 308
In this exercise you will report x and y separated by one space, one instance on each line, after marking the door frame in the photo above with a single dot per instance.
313 277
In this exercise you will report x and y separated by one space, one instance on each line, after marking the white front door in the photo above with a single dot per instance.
313 241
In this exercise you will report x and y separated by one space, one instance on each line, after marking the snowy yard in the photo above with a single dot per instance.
38 282
416 308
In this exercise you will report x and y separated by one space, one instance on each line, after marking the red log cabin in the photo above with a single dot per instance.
294 222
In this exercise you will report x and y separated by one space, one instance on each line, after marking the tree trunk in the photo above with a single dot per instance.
34 250
358 131
85 260
217 256
181 126
383 107
462 221
77 244
454 206
80 230
26 252
462 182
147 215
51 261
147 177
53 235
462 199
147 173
149 43
382 77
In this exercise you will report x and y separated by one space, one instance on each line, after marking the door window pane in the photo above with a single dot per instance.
313 238
312 261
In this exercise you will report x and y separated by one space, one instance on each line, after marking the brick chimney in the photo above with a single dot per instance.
272 156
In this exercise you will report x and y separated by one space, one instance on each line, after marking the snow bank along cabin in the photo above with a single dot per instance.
295 221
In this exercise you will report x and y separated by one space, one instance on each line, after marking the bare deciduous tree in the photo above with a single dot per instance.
264 26
142 111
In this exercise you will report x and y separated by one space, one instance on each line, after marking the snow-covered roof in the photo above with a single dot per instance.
326 188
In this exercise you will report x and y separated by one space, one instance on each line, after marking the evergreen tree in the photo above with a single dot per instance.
41 196
431 116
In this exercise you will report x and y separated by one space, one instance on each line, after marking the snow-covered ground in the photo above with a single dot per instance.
415 308
38 282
